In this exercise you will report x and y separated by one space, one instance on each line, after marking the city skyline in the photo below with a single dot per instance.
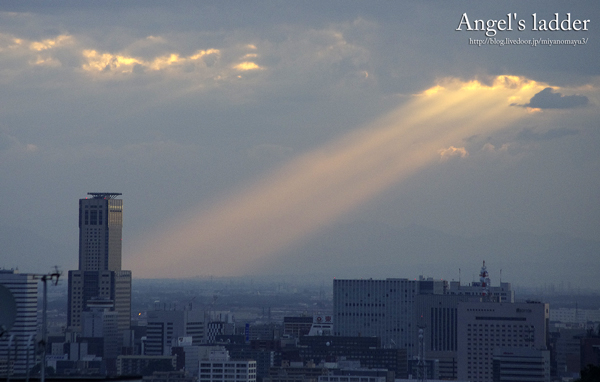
363 140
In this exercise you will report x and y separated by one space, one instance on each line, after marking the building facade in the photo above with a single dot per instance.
100 276
220 368
380 308
165 327
521 364
100 232
102 323
437 315
18 345
486 326
86 288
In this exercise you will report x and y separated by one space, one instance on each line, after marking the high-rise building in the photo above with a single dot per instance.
17 346
99 277
437 315
485 326
100 232
380 308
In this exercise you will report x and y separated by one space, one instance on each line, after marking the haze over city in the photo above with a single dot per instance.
332 139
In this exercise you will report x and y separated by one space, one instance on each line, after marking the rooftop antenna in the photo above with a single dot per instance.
42 344
484 279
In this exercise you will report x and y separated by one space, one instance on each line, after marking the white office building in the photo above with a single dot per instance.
484 327
521 364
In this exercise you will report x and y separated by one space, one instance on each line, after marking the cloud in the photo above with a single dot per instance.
453 152
488 147
548 99
529 135
247 65
50 43
123 63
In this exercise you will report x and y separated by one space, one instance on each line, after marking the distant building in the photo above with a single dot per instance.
297 326
188 356
101 322
269 331
438 315
485 326
356 374
322 325
590 351
218 328
366 350
17 346
99 275
521 364
85 287
137 364
575 316
165 327
380 308
567 346
296 372
170 376
502 293
484 289
219 367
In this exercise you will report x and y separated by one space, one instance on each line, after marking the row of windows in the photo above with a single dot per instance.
226 377
238 371
228 365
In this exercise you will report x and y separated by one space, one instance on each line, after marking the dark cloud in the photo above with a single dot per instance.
530 135
548 99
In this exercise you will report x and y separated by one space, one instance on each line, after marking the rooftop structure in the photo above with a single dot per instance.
104 195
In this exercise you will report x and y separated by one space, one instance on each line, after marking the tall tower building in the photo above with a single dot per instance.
100 232
99 278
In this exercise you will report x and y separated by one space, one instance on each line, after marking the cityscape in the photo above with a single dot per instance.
208 330
299 191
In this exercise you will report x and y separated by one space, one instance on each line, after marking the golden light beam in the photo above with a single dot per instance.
318 187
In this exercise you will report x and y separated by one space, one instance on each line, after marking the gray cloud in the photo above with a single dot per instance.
548 99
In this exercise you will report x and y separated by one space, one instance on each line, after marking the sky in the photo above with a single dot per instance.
261 138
